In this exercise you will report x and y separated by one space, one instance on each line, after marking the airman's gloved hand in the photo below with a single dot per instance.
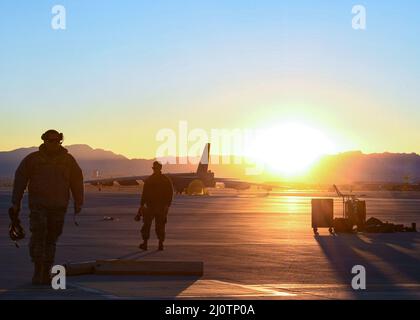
139 214
77 210
16 231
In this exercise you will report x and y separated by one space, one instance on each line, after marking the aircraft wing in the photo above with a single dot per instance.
119 179
181 180
201 169
241 185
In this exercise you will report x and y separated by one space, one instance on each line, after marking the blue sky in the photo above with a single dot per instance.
138 66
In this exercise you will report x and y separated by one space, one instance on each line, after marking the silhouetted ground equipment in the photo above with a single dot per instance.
353 209
374 225
322 214
354 214
342 225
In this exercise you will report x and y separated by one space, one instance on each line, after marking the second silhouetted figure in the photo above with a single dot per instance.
155 202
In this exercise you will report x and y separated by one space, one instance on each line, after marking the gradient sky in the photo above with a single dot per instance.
125 69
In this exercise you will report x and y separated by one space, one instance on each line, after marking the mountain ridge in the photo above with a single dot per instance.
345 167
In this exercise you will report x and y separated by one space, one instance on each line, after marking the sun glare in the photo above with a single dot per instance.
290 149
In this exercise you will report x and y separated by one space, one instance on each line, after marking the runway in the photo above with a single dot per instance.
252 247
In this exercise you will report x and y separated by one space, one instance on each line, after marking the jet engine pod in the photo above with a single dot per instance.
196 188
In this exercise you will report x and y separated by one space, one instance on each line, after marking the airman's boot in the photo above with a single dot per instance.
37 277
143 246
46 274
160 246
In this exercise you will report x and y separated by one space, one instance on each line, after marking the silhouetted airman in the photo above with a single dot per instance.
50 174
155 202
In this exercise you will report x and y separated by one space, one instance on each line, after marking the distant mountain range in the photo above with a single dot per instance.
90 160
352 167
107 163
346 167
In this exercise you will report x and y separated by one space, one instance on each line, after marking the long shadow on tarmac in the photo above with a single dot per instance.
384 256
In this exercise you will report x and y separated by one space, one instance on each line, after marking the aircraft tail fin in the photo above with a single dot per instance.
204 162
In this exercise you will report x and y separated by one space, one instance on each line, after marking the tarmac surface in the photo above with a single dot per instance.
252 247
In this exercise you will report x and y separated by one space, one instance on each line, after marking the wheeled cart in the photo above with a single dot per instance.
322 214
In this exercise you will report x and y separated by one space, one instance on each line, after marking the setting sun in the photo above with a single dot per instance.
291 148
